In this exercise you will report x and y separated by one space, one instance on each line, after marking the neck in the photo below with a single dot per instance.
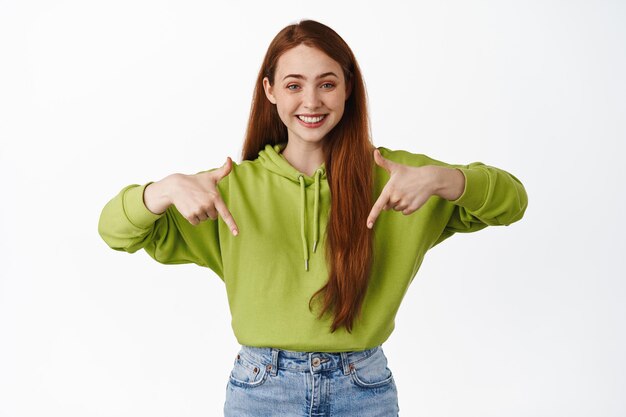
305 157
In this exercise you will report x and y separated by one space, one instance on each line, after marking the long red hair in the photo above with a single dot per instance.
348 151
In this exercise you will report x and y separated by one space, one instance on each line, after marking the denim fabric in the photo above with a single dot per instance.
267 382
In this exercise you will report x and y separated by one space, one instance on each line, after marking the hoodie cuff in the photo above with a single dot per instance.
135 208
476 189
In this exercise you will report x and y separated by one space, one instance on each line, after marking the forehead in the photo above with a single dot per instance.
307 61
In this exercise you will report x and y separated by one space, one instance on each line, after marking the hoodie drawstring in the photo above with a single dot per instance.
302 234
318 172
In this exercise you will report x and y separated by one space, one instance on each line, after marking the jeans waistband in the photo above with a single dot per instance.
273 359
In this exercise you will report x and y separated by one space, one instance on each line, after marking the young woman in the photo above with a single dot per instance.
316 233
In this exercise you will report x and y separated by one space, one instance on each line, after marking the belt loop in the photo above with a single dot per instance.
345 362
274 366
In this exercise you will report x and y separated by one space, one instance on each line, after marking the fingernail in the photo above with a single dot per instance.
235 232
369 225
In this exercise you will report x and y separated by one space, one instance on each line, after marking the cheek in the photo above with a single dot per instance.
339 102
285 106
284 112
340 108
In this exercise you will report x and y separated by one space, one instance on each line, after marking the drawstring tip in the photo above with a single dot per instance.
306 264
314 246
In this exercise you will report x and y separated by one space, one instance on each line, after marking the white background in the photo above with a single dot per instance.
524 320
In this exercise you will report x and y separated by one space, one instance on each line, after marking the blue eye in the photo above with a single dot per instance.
331 84
291 85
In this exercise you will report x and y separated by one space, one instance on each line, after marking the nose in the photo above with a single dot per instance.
311 99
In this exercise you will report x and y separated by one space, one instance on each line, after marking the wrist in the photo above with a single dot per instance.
449 183
156 196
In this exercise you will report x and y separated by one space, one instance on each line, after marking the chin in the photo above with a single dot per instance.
312 140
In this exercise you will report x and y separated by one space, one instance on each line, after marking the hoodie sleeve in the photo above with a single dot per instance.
127 225
492 197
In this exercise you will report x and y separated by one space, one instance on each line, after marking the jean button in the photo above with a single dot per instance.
316 361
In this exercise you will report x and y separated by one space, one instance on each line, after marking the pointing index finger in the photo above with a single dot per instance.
226 216
377 208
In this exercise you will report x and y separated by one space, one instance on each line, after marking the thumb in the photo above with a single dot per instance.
225 169
382 161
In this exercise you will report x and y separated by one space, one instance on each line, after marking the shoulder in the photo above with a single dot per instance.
240 168
248 167
408 158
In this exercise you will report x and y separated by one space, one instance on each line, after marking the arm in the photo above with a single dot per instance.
477 194
490 197
127 224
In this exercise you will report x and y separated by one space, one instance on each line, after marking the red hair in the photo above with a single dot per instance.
348 151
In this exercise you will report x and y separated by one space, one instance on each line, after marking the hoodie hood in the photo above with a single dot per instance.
273 160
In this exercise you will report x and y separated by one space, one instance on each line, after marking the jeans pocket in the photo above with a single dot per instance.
247 373
371 372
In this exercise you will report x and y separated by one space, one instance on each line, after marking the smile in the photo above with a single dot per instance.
312 121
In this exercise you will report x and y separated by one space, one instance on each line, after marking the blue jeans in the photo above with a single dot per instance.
267 382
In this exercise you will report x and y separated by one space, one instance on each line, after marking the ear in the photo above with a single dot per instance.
268 90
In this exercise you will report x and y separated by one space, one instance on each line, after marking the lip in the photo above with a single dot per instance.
312 125
312 115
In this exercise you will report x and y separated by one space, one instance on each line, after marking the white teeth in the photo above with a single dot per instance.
311 119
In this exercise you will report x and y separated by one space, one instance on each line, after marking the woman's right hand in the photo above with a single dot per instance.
196 196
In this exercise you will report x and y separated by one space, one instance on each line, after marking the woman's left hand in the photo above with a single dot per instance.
410 187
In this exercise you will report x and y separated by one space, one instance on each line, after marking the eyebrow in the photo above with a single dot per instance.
302 77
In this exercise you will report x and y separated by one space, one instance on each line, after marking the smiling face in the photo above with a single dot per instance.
309 92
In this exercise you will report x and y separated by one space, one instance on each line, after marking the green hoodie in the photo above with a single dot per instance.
276 263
